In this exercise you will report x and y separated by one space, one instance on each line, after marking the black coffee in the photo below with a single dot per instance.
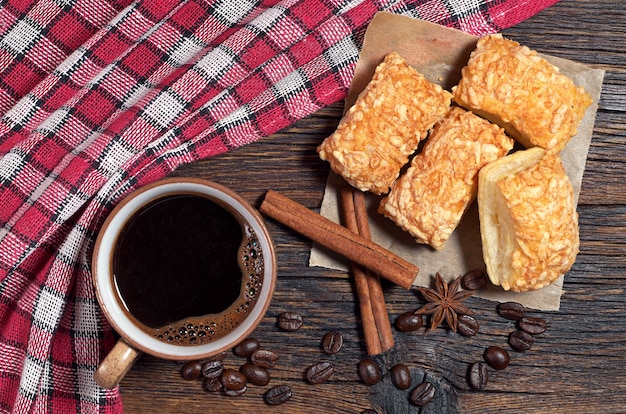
186 269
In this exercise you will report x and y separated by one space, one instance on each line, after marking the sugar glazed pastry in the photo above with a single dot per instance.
385 125
517 89
528 220
430 199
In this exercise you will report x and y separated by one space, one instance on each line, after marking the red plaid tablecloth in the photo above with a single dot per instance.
98 98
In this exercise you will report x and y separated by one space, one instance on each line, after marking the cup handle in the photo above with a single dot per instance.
116 364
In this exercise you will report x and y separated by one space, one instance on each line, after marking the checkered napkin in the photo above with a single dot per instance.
98 98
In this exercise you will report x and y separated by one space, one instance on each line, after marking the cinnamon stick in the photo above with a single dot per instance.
373 341
377 298
376 328
339 239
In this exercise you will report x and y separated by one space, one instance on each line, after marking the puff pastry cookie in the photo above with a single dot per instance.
517 89
528 220
384 126
429 200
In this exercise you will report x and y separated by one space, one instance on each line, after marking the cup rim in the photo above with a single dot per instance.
105 291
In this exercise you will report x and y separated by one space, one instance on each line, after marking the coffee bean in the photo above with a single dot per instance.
246 347
233 379
332 342
191 370
532 325
401 376
496 357
255 374
368 371
369 411
235 393
408 322
467 325
478 375
219 357
474 279
278 394
264 358
212 369
290 321
423 394
511 310
212 384
521 341
320 372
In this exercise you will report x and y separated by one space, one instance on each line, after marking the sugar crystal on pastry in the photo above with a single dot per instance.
528 220
430 199
385 125
514 87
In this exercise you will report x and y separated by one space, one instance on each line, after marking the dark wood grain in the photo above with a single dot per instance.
578 365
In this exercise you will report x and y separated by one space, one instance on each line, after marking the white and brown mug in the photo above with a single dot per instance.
184 269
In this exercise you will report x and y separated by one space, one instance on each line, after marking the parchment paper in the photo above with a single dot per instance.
439 53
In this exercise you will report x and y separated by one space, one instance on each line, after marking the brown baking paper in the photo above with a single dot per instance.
439 53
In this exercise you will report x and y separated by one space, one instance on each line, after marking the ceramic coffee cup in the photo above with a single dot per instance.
134 263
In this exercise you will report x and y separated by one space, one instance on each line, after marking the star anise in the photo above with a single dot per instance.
444 302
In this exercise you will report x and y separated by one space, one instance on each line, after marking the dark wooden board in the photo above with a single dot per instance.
578 365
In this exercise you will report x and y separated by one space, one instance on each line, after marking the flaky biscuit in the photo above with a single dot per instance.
517 89
384 126
528 220
430 199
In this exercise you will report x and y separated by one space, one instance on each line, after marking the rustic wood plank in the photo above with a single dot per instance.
577 365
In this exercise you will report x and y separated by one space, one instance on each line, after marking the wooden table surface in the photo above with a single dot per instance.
578 365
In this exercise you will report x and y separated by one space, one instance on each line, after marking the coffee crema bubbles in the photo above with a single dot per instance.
199 330
187 270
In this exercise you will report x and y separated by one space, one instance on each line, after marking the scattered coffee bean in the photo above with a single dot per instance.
213 384
290 321
264 358
496 357
246 347
511 310
219 357
423 394
235 393
532 325
521 341
332 342
467 325
401 376
408 322
278 394
478 375
233 379
212 369
255 374
320 372
191 370
368 371
474 279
